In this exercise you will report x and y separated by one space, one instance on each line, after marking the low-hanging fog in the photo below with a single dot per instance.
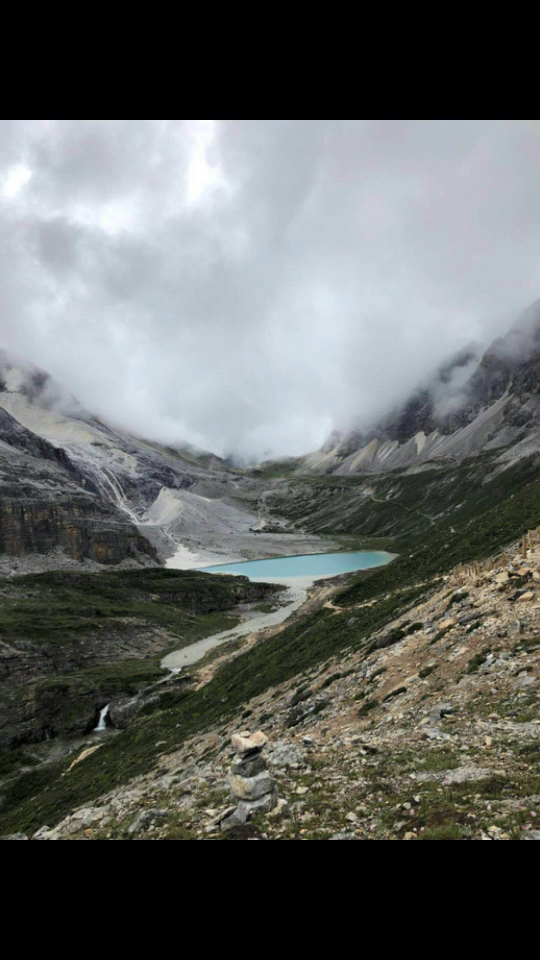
249 285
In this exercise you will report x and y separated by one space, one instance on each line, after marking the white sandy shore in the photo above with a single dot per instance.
186 559
234 548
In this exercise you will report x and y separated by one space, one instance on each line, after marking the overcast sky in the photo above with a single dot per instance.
248 285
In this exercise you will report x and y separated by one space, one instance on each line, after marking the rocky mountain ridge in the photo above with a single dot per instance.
471 405
52 513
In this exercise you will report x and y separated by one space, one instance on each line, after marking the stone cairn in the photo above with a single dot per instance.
252 786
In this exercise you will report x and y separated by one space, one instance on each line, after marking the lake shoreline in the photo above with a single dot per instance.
294 566
298 588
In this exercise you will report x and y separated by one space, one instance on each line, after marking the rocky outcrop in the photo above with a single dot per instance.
14 435
76 524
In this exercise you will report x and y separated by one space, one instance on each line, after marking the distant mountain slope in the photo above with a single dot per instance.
121 465
51 514
73 485
131 500
470 406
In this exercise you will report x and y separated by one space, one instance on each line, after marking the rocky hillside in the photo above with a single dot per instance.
428 732
471 405
72 486
399 703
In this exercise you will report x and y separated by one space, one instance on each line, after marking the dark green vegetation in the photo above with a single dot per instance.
367 706
15 759
394 693
71 642
406 506
447 516
486 517
53 607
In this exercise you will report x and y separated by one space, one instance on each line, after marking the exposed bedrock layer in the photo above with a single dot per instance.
78 525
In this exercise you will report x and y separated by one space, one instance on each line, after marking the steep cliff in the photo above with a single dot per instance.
47 506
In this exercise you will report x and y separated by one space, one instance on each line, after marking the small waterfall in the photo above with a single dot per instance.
102 722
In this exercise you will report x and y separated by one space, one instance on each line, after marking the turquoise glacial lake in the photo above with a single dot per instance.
311 565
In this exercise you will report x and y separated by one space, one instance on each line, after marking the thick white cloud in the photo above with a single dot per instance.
249 284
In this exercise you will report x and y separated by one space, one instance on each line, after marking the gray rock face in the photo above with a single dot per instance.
441 710
523 682
122 711
263 804
237 818
246 743
466 774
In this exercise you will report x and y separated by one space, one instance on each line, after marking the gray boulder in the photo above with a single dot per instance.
145 818
286 755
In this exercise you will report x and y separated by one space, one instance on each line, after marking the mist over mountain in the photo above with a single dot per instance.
249 286
472 403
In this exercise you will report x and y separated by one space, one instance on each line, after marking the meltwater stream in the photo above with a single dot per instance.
296 573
